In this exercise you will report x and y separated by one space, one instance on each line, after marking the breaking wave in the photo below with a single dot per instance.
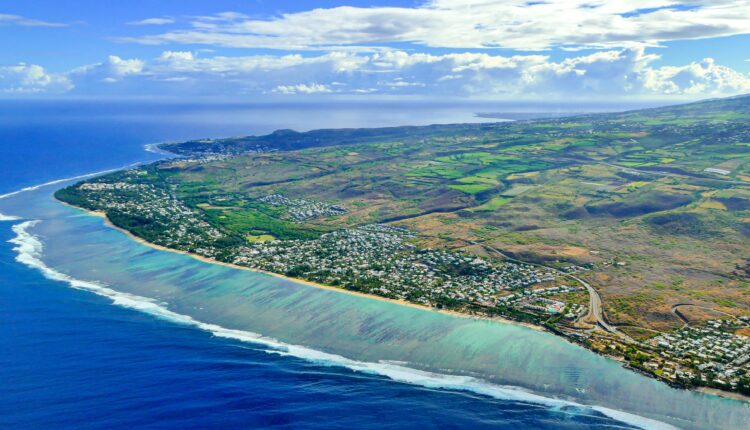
154 149
29 250
4 217
59 181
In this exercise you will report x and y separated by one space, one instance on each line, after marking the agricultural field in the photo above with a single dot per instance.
624 194
651 208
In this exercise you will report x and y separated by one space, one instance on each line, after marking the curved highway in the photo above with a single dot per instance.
595 301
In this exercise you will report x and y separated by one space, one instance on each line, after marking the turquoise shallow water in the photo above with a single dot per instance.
406 344
70 359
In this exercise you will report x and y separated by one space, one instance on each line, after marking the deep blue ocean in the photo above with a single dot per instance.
69 359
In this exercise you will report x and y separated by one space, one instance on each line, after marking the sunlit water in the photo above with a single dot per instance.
190 343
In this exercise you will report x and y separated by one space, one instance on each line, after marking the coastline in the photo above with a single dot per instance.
142 241
722 393
704 390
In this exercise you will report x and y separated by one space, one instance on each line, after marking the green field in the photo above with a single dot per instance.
623 194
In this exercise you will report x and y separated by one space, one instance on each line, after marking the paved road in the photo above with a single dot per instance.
595 301
679 315
595 308
595 304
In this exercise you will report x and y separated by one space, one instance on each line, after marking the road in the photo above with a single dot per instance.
595 307
595 301
595 304
683 318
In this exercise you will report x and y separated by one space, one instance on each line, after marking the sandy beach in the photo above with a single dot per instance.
722 393
303 281
108 223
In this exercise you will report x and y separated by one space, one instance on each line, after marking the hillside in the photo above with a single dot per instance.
651 208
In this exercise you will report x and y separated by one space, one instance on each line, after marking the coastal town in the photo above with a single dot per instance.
384 260
714 352
377 258
713 355
179 225
447 218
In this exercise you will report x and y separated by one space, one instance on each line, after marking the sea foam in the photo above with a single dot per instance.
59 181
154 149
30 249
4 217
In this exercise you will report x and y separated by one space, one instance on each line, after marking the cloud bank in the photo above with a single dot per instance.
471 24
612 73
31 79
437 48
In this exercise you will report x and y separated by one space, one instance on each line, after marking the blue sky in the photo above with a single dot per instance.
475 49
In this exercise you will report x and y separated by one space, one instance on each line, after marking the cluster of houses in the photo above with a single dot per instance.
545 305
302 209
177 225
545 300
380 259
204 149
117 186
195 160
714 353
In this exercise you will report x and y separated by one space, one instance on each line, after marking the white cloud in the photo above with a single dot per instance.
110 71
7 19
604 74
514 24
704 77
302 89
176 56
31 79
153 21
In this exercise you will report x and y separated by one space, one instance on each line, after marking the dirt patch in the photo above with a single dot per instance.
574 252
695 314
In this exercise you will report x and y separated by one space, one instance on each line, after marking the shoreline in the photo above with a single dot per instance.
201 258
703 390
722 393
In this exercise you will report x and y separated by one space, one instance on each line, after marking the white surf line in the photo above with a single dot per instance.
30 251
148 148
58 181
154 149
4 217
